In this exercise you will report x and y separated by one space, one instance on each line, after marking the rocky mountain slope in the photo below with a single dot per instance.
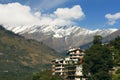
111 36
105 40
20 57
57 37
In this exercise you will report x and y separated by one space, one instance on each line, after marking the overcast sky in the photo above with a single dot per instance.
90 14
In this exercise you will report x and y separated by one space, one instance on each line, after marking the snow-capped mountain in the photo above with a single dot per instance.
59 37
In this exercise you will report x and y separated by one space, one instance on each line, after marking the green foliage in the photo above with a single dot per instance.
118 71
114 46
116 43
102 75
45 75
97 39
116 77
97 61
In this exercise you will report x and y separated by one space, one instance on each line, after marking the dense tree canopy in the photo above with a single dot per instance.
114 46
97 39
98 61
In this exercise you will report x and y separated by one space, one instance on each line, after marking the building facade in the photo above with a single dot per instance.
70 68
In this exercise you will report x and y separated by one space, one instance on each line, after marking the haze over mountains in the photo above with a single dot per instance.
59 38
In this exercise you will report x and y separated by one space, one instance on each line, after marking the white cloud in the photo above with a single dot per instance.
65 16
112 18
37 14
70 13
16 14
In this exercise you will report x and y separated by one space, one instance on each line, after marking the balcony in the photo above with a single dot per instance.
59 67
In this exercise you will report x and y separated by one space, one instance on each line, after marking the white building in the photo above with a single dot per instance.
71 66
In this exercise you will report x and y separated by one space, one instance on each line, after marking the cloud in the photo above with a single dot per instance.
112 18
64 16
37 14
17 15
70 13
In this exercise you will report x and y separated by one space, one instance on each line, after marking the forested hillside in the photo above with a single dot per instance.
114 47
102 61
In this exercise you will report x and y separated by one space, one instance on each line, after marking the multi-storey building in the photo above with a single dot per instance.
57 67
71 66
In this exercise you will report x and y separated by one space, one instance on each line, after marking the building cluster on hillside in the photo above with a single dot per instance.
70 68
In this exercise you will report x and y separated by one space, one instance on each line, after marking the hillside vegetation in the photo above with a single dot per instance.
102 61
20 57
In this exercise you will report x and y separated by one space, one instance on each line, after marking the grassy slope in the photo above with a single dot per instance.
19 56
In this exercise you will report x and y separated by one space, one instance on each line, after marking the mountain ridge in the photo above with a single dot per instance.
61 30
60 38
111 36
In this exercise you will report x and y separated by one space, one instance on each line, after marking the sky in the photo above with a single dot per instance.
90 14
